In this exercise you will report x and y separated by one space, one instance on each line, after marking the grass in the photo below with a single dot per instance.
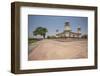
32 40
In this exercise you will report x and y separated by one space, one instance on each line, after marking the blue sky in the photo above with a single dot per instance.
52 23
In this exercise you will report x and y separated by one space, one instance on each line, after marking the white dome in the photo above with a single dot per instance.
67 26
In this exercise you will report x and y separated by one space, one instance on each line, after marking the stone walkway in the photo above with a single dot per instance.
51 49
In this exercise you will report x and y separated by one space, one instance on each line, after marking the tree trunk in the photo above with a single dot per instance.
44 36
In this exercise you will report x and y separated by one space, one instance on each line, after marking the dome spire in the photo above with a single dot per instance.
79 29
67 26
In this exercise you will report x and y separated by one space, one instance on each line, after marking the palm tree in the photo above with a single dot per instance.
40 31
57 30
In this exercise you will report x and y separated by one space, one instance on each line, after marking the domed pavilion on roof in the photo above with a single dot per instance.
68 33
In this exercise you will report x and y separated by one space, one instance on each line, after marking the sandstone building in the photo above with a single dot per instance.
68 33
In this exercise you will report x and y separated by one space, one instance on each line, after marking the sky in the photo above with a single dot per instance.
52 23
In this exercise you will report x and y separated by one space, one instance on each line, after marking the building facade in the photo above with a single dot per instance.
67 33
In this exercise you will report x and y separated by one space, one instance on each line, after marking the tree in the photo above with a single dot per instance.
85 36
40 31
57 30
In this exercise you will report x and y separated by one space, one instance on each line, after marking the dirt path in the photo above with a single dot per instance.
50 49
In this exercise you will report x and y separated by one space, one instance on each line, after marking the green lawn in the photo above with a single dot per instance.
32 41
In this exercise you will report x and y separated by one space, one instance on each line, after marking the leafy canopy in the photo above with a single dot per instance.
40 31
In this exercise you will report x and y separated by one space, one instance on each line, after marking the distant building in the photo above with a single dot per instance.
67 33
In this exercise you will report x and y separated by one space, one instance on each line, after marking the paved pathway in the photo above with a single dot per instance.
51 49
